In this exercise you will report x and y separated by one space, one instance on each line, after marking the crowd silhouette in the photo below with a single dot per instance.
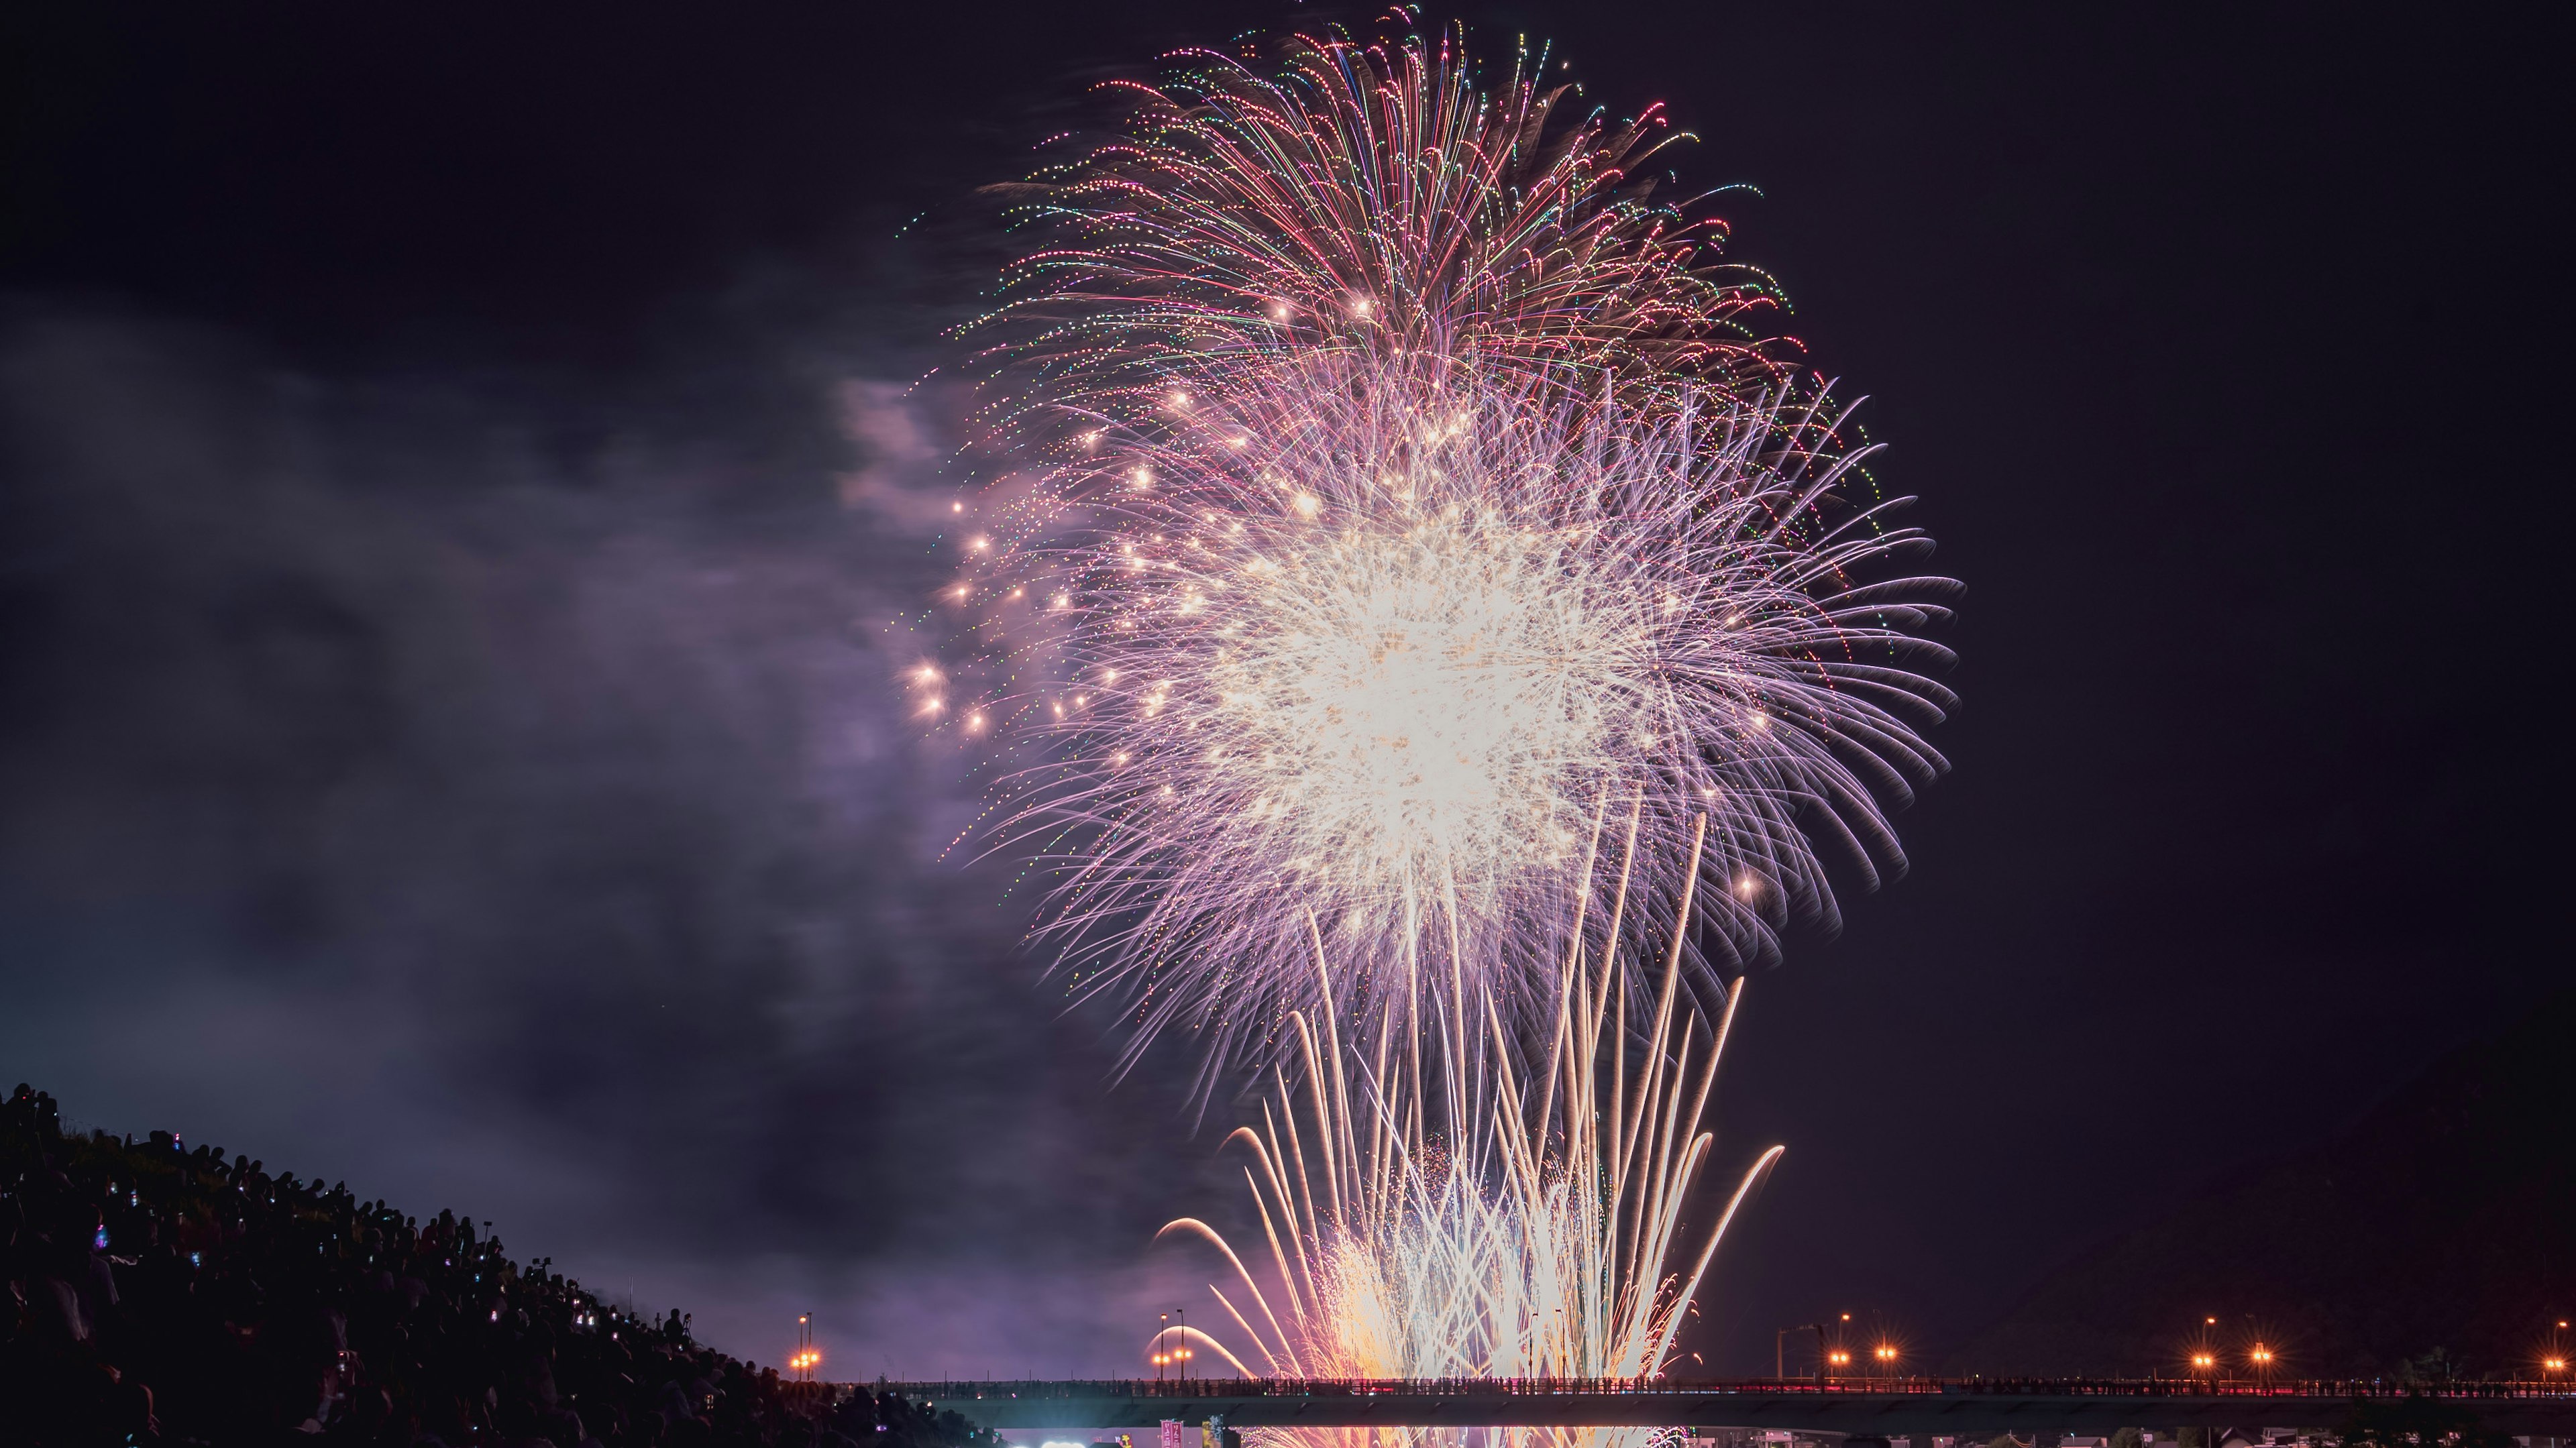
158 1293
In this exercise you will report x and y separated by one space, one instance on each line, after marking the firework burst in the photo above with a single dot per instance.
1359 655
1532 1228
1396 482
1371 198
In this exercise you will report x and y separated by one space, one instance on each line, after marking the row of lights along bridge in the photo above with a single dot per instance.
1172 1353
1835 1359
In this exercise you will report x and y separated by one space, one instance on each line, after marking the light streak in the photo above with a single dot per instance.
1453 1217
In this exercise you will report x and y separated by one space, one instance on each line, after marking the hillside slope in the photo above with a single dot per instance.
150 1292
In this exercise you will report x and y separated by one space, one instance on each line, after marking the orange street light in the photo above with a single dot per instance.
2205 1361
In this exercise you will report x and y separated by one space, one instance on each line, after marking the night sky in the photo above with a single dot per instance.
455 463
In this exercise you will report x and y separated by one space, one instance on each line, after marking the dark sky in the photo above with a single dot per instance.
454 467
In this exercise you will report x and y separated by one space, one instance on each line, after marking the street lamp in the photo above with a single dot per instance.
1171 1352
2204 1351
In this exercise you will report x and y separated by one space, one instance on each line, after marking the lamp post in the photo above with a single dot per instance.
1170 1352
2204 1355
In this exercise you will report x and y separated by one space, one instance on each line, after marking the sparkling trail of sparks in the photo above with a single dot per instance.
1504 1243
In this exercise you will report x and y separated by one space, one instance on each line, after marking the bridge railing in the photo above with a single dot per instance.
2146 1387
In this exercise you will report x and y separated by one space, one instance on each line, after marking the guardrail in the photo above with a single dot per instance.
2148 1387
1868 1410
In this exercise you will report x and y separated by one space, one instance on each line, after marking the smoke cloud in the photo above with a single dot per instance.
498 781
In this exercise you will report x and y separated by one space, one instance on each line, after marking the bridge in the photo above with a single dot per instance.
1863 1408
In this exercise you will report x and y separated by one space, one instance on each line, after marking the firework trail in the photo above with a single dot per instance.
1410 486
1507 1242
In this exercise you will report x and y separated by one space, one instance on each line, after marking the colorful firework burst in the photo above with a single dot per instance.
1409 485
1358 655
1370 198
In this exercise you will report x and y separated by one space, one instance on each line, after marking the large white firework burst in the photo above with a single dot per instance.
1357 655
